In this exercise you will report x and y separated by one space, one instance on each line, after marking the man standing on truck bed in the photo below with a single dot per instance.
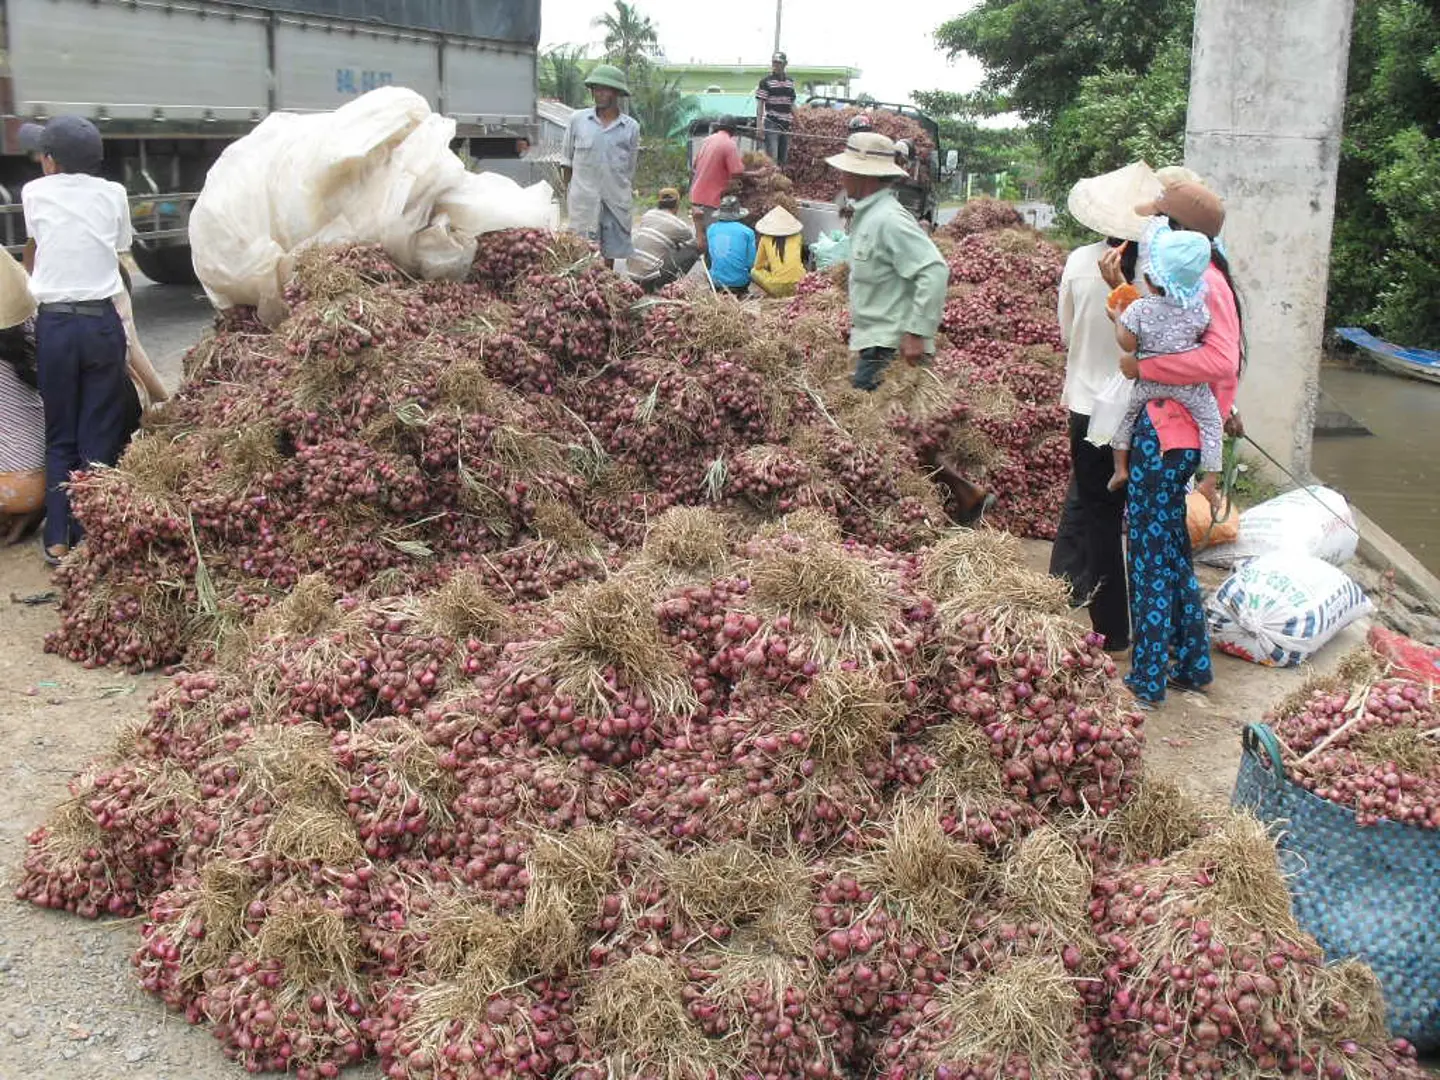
602 147
776 111
716 165
78 225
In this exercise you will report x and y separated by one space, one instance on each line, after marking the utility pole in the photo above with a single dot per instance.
779 7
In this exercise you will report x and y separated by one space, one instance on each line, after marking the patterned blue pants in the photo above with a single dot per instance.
1167 615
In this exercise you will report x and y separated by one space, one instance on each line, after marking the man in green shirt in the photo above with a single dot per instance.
897 276
898 280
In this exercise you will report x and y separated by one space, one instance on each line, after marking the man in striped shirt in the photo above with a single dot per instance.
665 247
776 110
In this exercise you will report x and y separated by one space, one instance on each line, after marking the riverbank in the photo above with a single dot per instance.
1392 472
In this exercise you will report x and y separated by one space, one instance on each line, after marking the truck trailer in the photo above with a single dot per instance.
171 83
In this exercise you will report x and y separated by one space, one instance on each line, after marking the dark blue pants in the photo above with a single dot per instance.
89 405
870 367
1167 614
1089 546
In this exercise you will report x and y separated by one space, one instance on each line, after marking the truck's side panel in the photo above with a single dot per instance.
319 68
488 84
77 56
499 20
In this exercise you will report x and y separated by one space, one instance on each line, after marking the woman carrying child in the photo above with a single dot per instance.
1172 319
1171 641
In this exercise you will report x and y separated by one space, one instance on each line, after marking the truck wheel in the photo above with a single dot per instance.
166 265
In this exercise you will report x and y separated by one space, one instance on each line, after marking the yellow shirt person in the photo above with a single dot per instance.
778 265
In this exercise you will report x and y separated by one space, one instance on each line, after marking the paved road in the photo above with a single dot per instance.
170 318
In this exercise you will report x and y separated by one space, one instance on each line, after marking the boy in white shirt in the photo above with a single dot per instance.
78 224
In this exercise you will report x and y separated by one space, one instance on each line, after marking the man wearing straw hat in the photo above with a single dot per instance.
665 247
897 275
600 152
898 280
1088 549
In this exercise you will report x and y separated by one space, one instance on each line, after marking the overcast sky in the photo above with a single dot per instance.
891 43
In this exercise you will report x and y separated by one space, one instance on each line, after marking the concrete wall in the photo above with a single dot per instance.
1267 94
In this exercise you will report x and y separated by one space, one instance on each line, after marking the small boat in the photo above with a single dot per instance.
1416 363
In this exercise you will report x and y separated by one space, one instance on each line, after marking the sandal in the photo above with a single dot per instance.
1138 701
1186 686
53 556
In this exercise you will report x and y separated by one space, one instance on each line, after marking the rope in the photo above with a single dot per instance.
1300 484
1227 486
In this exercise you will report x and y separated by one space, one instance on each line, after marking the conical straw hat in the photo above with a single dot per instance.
1106 204
16 303
779 222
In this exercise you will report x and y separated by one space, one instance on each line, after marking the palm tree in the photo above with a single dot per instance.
562 74
661 107
629 35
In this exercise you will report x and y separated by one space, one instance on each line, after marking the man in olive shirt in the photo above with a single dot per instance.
897 275
897 290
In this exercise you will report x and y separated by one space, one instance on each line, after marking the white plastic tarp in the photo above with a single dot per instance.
377 170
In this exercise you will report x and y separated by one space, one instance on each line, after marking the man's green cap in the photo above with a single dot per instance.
608 75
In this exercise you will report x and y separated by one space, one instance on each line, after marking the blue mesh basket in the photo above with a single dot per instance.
1367 891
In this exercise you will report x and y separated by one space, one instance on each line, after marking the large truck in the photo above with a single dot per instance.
171 83
918 192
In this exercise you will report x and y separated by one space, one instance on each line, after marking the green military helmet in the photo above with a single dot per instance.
608 75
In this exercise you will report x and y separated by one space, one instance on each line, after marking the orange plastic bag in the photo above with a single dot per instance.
1410 659
1199 517
1121 297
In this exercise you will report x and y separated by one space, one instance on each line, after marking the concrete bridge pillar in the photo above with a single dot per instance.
1267 99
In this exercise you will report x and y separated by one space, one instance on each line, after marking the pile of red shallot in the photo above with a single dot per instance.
528 424
819 133
1365 740
756 800
579 685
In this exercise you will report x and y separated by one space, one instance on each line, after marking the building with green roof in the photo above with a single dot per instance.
721 89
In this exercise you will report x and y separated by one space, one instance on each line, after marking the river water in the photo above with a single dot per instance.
1392 474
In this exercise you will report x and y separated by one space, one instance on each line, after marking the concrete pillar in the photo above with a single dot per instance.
1267 98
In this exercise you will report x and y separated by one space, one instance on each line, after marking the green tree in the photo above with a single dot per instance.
1100 81
1118 117
562 74
659 104
978 148
1036 52
1386 247
630 37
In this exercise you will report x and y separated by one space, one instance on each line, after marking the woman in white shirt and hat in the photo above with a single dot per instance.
1088 549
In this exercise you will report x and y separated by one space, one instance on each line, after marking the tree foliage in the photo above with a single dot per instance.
1385 263
659 104
1118 117
630 37
979 149
562 74
1036 52
1107 81
1101 81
